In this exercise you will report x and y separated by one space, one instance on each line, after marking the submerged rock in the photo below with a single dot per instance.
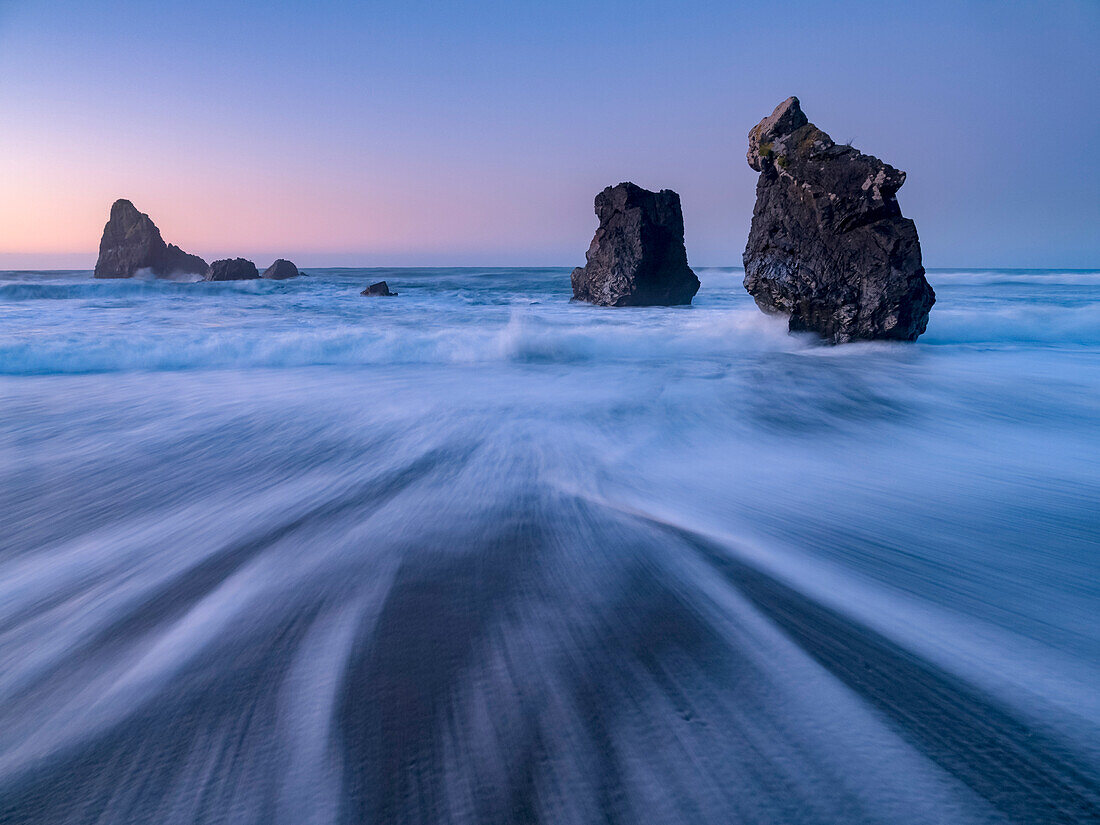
131 242
380 289
637 257
281 270
232 269
828 245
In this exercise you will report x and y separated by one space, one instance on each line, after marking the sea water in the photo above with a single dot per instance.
272 552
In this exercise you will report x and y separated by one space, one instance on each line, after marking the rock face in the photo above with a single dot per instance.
232 269
828 245
637 257
131 242
281 270
380 289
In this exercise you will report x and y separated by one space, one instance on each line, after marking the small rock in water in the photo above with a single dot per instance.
379 289
828 245
637 257
281 270
131 242
232 269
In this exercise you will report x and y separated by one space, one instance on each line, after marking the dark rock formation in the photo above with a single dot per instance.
232 269
131 242
637 257
379 289
281 270
828 245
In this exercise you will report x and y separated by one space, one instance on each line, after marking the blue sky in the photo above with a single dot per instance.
478 133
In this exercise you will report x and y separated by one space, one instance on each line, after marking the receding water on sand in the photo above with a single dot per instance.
272 552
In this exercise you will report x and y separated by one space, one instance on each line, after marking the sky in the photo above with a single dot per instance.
478 133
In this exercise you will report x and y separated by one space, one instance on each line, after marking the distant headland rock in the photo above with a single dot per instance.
828 245
637 257
379 290
281 270
131 242
232 269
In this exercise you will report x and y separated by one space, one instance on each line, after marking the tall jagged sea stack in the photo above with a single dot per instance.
829 246
131 243
637 257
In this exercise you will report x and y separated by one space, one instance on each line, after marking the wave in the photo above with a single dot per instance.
716 336
525 338
707 335
993 277
1020 325
132 287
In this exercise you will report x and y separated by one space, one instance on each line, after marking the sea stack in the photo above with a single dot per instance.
232 269
379 290
131 242
637 257
281 270
829 247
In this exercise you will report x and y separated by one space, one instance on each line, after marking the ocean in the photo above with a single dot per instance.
272 552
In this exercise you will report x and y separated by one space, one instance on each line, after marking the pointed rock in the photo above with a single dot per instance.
379 290
637 257
828 246
131 242
281 270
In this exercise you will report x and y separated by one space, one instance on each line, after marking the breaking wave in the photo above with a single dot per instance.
995 277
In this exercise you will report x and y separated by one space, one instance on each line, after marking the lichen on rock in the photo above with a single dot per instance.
829 246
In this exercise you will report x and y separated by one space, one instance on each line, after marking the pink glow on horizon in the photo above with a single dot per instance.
478 134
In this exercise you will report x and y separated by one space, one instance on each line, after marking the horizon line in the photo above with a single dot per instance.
574 266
